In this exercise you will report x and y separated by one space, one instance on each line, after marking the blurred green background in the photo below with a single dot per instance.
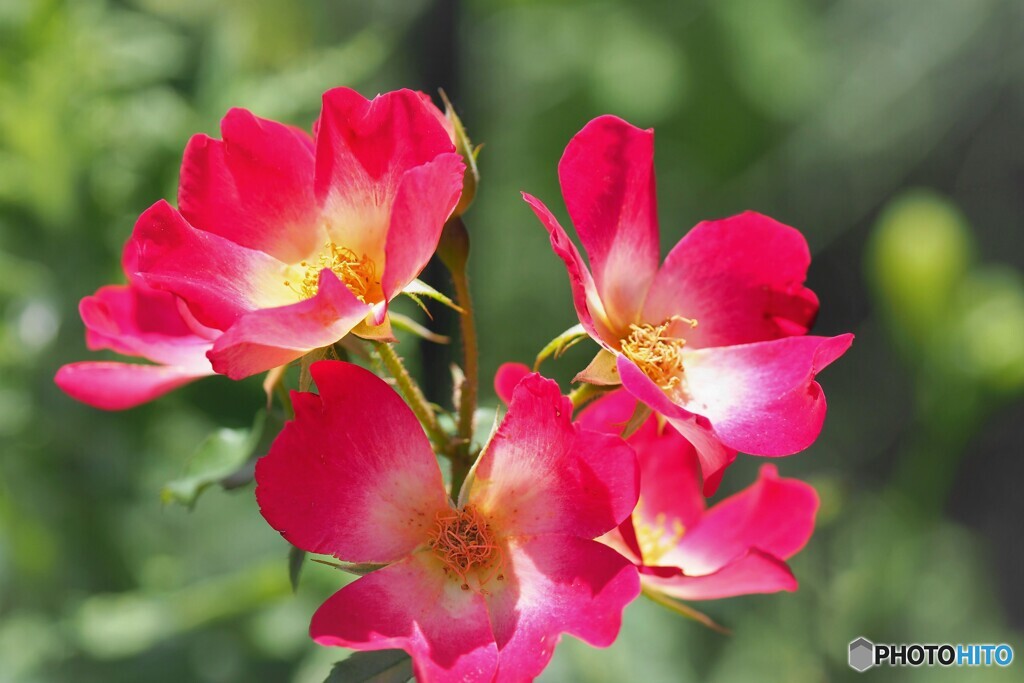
889 131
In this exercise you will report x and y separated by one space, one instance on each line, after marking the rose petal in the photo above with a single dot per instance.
413 606
118 386
556 584
424 200
740 278
607 177
588 304
254 188
753 572
353 475
762 398
774 515
270 337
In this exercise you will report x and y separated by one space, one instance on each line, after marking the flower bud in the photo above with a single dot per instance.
469 153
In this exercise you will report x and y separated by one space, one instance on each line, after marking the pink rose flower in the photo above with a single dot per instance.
288 242
688 551
480 590
711 339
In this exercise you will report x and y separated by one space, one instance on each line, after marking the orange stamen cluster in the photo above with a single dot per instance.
359 273
658 354
464 542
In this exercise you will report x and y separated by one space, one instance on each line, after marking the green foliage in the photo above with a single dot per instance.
380 666
218 458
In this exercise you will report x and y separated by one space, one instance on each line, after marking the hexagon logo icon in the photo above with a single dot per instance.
862 654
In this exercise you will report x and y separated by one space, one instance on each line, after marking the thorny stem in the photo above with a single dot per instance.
413 395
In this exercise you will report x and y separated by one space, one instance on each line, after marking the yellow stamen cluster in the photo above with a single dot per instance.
359 273
464 542
655 540
657 353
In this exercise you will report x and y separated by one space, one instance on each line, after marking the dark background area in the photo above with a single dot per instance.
888 132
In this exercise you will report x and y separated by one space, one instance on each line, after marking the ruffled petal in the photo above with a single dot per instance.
139 321
762 398
271 337
218 279
353 475
411 605
118 386
588 304
753 572
774 515
364 148
425 198
740 278
607 177
254 188
556 584
541 474
714 456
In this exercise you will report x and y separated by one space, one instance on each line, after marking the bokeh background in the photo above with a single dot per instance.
889 131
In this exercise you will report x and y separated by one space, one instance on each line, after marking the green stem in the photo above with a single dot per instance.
413 395
286 403
470 363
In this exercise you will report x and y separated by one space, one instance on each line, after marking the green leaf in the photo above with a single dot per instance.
636 420
295 558
379 666
219 456
560 344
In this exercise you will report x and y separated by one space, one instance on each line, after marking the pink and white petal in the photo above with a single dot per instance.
753 572
556 584
740 278
774 515
761 398
607 177
118 386
508 376
218 279
589 308
364 148
254 188
411 605
542 474
714 456
353 475
264 339
139 321
425 198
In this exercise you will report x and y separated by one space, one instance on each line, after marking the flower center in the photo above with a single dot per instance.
464 542
358 273
655 540
658 354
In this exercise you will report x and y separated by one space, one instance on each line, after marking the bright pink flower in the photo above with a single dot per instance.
288 243
736 547
708 338
138 321
475 592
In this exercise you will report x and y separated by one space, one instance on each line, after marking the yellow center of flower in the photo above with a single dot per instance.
464 542
358 273
658 354
655 539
